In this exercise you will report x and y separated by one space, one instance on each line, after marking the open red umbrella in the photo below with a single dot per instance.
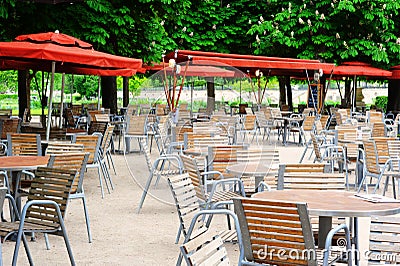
62 53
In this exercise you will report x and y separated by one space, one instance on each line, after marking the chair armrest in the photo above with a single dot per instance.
328 242
262 186
28 173
223 182
213 173
168 158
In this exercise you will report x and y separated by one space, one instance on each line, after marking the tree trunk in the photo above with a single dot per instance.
393 96
210 96
109 93
282 91
347 93
125 91
289 92
23 92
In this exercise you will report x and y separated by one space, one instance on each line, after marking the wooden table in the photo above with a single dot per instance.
258 170
16 164
328 203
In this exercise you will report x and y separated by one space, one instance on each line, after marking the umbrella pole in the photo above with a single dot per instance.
98 93
62 99
53 70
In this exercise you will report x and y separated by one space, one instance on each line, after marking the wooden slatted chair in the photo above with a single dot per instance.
220 156
163 166
91 145
24 144
373 169
263 155
249 126
102 118
283 226
219 186
105 148
76 162
207 248
44 211
188 203
97 126
382 147
378 129
11 125
136 128
384 244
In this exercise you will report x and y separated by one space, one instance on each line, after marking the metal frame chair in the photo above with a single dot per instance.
44 212
160 167
286 227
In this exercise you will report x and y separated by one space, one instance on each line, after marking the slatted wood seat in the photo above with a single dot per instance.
268 225
378 129
62 148
91 145
75 162
97 126
188 204
384 240
220 156
52 187
102 118
205 249
373 169
162 167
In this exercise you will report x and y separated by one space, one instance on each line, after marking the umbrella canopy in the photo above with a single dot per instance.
251 63
196 71
71 55
62 53
351 69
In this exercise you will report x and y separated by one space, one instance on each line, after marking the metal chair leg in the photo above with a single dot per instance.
87 219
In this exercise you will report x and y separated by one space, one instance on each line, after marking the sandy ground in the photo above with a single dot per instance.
120 236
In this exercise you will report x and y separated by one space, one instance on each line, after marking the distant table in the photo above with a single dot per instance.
327 204
258 170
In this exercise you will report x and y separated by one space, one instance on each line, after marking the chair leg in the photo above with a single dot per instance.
104 170
64 231
145 192
178 234
106 174
101 183
20 236
87 219
111 160
46 240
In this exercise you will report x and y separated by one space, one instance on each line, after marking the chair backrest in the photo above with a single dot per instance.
205 249
179 131
62 148
394 153
71 161
91 144
24 144
316 148
371 157
77 109
221 156
281 225
49 184
249 122
374 116
382 148
378 129
70 117
258 154
384 244
189 137
97 126
304 168
186 201
107 137
275 112
191 167
102 117
9 125
317 181
136 125
308 123
146 151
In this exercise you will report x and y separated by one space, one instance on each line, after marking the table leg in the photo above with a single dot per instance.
257 182
324 226
285 128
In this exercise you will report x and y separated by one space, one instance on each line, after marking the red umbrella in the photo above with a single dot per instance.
351 69
61 53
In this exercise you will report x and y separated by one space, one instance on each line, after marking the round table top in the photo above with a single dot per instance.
250 168
18 163
332 203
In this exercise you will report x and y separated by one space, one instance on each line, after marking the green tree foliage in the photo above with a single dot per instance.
331 30
86 86
8 81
